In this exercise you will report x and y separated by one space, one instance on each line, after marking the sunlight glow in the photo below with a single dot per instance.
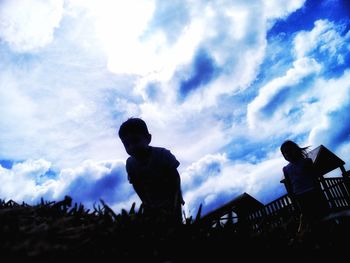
120 26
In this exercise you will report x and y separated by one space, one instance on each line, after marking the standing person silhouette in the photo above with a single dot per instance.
153 173
303 186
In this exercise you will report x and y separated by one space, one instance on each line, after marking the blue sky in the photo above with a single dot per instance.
220 83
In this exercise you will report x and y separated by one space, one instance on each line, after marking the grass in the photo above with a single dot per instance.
57 231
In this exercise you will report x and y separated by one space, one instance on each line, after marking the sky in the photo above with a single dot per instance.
221 84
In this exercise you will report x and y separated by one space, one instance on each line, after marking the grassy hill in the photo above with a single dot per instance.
57 231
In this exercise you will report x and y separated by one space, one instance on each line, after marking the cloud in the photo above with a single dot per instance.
189 68
330 127
278 93
96 180
228 180
57 100
323 41
278 10
19 183
344 150
32 180
204 70
197 173
294 97
64 101
27 26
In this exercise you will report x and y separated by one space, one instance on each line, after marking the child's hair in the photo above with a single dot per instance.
132 125
290 144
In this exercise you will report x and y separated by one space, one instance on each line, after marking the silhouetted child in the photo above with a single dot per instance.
303 186
153 173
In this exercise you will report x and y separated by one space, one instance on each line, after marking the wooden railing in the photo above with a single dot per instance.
283 210
273 214
336 192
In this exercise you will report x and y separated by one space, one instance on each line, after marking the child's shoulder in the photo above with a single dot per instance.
157 148
160 150
165 156
287 167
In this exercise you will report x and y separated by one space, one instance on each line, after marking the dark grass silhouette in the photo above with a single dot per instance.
58 231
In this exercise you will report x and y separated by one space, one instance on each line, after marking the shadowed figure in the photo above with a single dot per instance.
153 173
303 187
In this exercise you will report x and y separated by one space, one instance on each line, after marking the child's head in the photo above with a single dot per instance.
135 136
292 152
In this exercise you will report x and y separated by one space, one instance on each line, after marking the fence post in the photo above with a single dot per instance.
346 177
329 196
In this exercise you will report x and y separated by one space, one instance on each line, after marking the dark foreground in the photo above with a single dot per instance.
57 231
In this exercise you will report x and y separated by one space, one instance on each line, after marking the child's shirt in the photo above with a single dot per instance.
301 176
153 177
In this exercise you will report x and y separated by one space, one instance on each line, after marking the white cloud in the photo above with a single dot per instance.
32 167
331 108
261 180
324 36
301 69
89 66
28 181
344 150
63 105
200 171
276 9
19 184
189 135
27 25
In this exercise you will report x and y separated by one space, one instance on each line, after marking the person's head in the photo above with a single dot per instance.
292 152
135 136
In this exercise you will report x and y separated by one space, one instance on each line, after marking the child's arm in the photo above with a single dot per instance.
176 186
288 184
142 193
137 185
172 178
